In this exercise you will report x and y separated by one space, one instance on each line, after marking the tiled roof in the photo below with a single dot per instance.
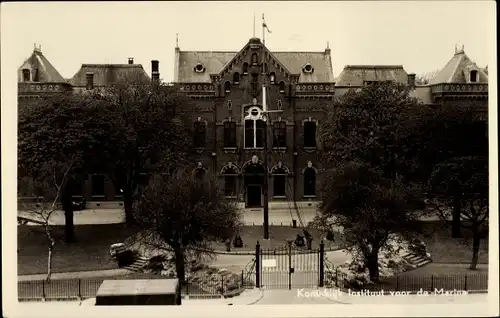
295 61
454 70
214 62
356 75
41 68
108 74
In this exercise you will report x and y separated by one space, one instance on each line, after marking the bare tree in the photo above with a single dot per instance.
182 213
46 188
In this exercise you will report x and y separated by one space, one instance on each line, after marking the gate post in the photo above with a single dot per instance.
257 265
321 264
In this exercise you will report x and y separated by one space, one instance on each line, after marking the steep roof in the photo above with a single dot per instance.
212 61
454 71
215 61
41 68
108 74
356 75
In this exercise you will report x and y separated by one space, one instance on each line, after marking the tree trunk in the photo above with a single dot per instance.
476 239
49 261
179 264
455 222
67 204
128 202
372 264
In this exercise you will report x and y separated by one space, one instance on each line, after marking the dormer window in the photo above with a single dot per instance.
245 68
473 76
199 68
26 75
236 78
272 77
308 68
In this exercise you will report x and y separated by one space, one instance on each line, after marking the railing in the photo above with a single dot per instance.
414 283
87 288
459 88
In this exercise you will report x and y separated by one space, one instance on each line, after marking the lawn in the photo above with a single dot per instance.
445 249
90 252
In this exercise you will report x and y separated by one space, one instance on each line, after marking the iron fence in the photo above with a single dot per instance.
87 288
414 283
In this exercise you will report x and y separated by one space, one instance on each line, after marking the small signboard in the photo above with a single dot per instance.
268 263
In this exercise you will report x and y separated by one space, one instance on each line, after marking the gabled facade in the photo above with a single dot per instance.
227 87
228 94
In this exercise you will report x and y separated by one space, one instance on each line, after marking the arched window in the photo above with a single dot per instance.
255 59
279 180
230 134
282 87
309 182
236 78
26 75
199 134
230 173
279 132
245 68
227 86
473 76
272 77
310 134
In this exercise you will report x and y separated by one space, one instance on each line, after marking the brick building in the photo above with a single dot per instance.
227 88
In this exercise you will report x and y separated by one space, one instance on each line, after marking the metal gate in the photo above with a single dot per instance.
289 266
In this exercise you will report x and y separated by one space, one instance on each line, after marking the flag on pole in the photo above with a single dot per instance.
264 25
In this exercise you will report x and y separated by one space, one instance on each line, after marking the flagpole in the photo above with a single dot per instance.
263 30
254 24
266 122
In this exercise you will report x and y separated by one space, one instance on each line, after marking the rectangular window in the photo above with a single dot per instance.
309 134
473 76
249 134
230 186
279 185
279 138
260 131
97 185
309 182
26 75
230 134
199 134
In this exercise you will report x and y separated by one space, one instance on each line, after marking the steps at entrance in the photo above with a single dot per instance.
417 260
138 264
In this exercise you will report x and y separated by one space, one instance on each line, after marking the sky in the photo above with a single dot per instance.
419 35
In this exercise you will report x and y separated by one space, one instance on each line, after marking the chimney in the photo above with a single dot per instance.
130 60
411 80
155 73
90 80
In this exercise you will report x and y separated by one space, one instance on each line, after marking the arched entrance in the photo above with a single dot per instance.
253 175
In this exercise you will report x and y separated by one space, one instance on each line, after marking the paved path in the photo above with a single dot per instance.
304 262
75 275
111 216
98 216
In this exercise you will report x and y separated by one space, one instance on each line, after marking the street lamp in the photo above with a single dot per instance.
263 116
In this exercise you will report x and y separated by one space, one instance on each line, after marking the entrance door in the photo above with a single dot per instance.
254 196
